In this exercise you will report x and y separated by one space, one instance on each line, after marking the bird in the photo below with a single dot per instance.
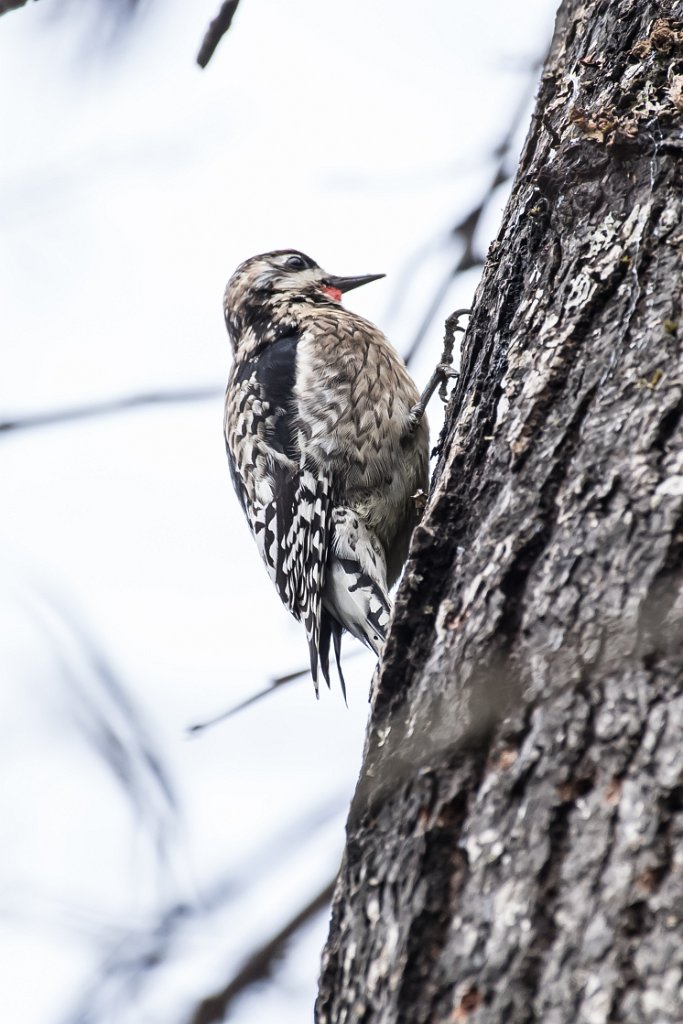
328 447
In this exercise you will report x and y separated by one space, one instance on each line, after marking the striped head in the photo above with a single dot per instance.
264 293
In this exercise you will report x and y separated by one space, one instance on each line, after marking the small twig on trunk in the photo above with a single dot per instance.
443 371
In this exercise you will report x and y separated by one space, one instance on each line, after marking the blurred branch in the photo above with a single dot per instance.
127 6
216 30
465 230
134 955
138 954
107 408
260 964
108 717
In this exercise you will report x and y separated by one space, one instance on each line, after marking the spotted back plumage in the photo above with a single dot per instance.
322 451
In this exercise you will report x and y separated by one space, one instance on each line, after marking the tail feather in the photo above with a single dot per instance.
330 629
324 645
354 595
313 653
356 589
336 636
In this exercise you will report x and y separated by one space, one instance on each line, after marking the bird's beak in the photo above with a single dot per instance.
346 284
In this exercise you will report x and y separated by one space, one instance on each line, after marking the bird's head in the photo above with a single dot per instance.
270 287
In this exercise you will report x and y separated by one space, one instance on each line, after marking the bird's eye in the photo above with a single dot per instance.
296 263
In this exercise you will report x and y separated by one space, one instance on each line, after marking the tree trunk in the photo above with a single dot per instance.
515 842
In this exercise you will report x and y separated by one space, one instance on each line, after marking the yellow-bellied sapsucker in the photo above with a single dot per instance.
327 444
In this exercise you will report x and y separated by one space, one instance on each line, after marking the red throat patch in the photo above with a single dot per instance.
334 293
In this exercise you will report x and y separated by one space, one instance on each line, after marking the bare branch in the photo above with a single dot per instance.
254 698
216 30
274 684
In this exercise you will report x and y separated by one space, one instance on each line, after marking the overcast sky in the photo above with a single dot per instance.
133 600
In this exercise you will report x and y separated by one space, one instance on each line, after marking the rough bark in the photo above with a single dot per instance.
514 845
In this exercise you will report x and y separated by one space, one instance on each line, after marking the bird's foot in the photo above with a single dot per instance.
441 375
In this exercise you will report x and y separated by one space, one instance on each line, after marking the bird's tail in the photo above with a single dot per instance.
355 594
330 629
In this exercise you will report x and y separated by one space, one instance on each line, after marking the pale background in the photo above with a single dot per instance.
139 867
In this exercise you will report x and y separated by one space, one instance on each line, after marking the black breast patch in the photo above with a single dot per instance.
275 371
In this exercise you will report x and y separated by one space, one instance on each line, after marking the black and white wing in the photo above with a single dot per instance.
288 504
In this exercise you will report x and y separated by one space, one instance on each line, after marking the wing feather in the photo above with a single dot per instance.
288 504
